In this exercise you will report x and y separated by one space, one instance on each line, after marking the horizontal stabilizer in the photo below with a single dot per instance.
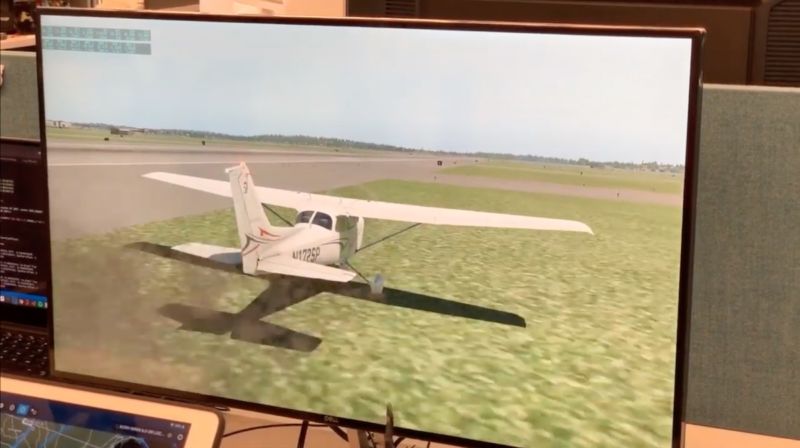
212 186
296 268
226 255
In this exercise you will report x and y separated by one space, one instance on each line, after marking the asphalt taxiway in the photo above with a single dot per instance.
94 189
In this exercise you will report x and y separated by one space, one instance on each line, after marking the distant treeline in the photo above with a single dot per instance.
651 166
305 140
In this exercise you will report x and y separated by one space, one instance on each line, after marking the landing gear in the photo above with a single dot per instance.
376 285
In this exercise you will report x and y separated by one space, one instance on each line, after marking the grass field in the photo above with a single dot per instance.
574 175
178 142
593 367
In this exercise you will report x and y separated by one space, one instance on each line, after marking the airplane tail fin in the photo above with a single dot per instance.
255 231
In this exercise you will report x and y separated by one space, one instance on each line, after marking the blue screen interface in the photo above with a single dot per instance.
30 422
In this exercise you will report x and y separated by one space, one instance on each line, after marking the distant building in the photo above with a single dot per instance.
123 131
57 124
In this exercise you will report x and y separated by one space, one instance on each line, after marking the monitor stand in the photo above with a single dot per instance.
358 438
362 439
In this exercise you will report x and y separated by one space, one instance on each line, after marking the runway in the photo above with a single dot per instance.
160 147
97 190
60 155
94 192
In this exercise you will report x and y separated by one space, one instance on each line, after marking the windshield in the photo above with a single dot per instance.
323 220
304 217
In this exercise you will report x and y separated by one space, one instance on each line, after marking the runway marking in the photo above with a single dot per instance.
265 162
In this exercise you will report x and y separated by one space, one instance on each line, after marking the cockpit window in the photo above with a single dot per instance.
304 217
323 220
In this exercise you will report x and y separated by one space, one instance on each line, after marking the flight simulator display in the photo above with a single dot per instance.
480 227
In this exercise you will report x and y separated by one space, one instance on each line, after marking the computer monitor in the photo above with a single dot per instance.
24 243
485 226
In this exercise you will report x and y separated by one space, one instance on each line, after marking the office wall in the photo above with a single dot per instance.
744 362
728 22
19 104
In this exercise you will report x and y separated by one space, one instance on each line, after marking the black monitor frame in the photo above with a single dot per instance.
696 35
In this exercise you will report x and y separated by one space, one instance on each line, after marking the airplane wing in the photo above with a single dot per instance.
297 268
377 209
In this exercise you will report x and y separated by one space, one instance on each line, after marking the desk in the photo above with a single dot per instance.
15 42
707 437
696 436
274 437
286 437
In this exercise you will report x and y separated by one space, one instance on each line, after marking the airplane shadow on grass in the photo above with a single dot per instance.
285 291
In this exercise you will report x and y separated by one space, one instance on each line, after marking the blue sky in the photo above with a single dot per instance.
602 98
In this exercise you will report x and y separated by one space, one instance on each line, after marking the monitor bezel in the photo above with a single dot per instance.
696 35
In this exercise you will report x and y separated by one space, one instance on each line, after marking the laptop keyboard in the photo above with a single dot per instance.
23 352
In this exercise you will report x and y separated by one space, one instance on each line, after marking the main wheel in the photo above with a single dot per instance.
376 286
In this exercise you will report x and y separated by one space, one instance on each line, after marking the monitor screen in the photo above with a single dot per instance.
24 241
479 225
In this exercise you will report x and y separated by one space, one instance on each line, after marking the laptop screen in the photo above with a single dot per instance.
480 225
24 233
39 422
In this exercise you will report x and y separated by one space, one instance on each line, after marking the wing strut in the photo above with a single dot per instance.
391 235
352 268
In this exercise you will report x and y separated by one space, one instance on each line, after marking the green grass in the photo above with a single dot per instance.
593 367
574 175
98 135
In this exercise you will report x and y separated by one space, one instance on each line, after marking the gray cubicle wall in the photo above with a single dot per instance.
744 363
19 104
744 358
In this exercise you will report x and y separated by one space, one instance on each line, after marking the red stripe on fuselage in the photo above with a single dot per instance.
263 232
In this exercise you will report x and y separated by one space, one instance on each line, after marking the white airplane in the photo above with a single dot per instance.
328 230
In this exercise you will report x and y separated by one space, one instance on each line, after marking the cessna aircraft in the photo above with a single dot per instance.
328 230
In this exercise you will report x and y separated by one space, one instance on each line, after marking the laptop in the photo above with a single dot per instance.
24 259
35 412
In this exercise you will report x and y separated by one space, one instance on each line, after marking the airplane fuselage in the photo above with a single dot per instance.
310 243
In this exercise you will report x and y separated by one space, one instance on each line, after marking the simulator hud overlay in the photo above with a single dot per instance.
538 309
